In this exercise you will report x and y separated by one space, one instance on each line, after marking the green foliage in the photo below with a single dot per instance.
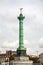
6 60
12 57
34 59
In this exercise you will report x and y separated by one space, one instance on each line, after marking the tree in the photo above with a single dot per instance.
12 57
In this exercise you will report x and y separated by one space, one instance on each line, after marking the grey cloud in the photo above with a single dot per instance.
40 46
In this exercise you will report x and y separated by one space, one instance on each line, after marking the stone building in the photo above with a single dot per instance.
5 56
9 53
41 58
2 57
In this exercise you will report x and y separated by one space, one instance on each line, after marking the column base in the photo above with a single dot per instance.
21 58
21 52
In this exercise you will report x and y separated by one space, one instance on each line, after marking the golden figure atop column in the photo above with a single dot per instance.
21 10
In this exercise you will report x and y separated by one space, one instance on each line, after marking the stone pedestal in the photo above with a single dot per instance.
21 63
21 58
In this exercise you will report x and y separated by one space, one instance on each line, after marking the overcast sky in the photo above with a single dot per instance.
33 25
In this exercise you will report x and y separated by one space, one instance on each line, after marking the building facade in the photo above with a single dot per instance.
5 56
